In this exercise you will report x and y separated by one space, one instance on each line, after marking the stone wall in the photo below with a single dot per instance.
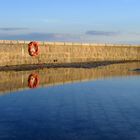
16 52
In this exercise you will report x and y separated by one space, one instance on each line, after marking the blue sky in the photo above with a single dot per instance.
101 21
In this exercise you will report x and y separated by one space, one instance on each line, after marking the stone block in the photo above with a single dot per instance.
59 43
68 44
21 41
85 44
49 43
76 44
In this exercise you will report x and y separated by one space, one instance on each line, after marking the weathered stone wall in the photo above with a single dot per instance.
16 52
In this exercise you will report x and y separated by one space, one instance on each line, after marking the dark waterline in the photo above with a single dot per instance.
101 110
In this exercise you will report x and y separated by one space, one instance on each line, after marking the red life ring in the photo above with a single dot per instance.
33 80
33 48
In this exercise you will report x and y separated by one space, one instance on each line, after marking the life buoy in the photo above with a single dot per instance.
33 48
33 80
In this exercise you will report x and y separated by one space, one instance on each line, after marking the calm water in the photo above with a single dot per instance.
106 109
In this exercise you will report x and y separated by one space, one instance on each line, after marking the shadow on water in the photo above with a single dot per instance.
137 70
20 80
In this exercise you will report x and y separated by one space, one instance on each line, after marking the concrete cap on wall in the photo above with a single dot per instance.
68 43
85 44
21 41
59 43
48 43
76 44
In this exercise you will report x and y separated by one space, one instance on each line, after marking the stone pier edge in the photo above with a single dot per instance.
67 43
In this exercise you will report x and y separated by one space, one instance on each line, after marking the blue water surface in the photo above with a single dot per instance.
97 110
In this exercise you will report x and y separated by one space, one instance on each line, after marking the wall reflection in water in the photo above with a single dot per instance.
20 80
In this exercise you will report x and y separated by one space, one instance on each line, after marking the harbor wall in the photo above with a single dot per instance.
16 53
